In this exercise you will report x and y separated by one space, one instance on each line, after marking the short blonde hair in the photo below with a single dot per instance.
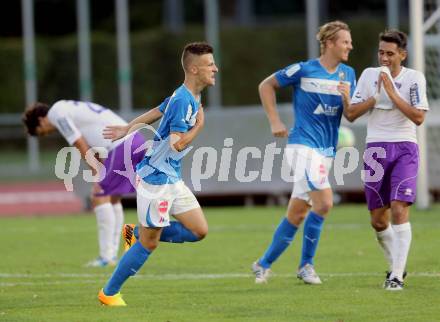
329 31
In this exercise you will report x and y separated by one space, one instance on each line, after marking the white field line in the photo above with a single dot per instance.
59 228
72 278
11 198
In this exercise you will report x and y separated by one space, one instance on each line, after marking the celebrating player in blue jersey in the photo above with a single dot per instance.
318 107
161 191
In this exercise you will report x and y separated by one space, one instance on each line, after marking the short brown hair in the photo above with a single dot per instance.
329 31
31 117
394 36
195 48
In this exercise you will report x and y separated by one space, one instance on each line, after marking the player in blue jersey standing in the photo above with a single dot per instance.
317 105
160 190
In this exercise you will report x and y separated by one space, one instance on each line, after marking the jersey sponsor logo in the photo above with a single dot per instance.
414 96
163 206
292 70
326 110
341 75
321 86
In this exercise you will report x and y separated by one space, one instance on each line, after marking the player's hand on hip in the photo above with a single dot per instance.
114 132
279 130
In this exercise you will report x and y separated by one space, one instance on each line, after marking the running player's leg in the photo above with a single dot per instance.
152 218
322 202
285 232
282 238
191 224
129 265
317 187
296 211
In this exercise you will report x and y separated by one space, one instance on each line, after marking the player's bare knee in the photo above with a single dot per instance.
399 213
150 244
379 224
201 232
323 208
296 218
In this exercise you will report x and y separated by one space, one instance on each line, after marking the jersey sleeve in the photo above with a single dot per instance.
164 105
178 115
362 91
289 75
417 92
63 122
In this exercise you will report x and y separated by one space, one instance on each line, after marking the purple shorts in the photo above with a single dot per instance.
390 173
120 165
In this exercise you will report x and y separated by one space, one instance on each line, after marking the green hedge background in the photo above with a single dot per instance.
247 56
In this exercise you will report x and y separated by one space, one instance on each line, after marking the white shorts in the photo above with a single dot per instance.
310 170
155 203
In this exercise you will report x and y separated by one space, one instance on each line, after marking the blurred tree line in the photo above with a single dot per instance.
249 50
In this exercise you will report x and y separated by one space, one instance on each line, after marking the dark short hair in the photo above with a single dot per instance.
195 48
31 117
394 36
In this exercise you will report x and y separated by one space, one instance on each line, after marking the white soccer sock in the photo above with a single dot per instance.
119 222
386 239
403 241
105 219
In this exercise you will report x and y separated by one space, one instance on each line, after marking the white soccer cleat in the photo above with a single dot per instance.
100 262
261 274
308 275
394 285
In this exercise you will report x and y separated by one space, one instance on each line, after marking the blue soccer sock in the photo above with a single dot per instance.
312 232
174 233
129 264
282 238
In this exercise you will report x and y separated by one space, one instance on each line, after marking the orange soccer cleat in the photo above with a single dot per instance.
111 300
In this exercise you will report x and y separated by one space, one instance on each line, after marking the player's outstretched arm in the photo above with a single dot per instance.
179 141
267 90
116 132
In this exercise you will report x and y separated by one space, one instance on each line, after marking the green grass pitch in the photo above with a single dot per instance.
42 277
